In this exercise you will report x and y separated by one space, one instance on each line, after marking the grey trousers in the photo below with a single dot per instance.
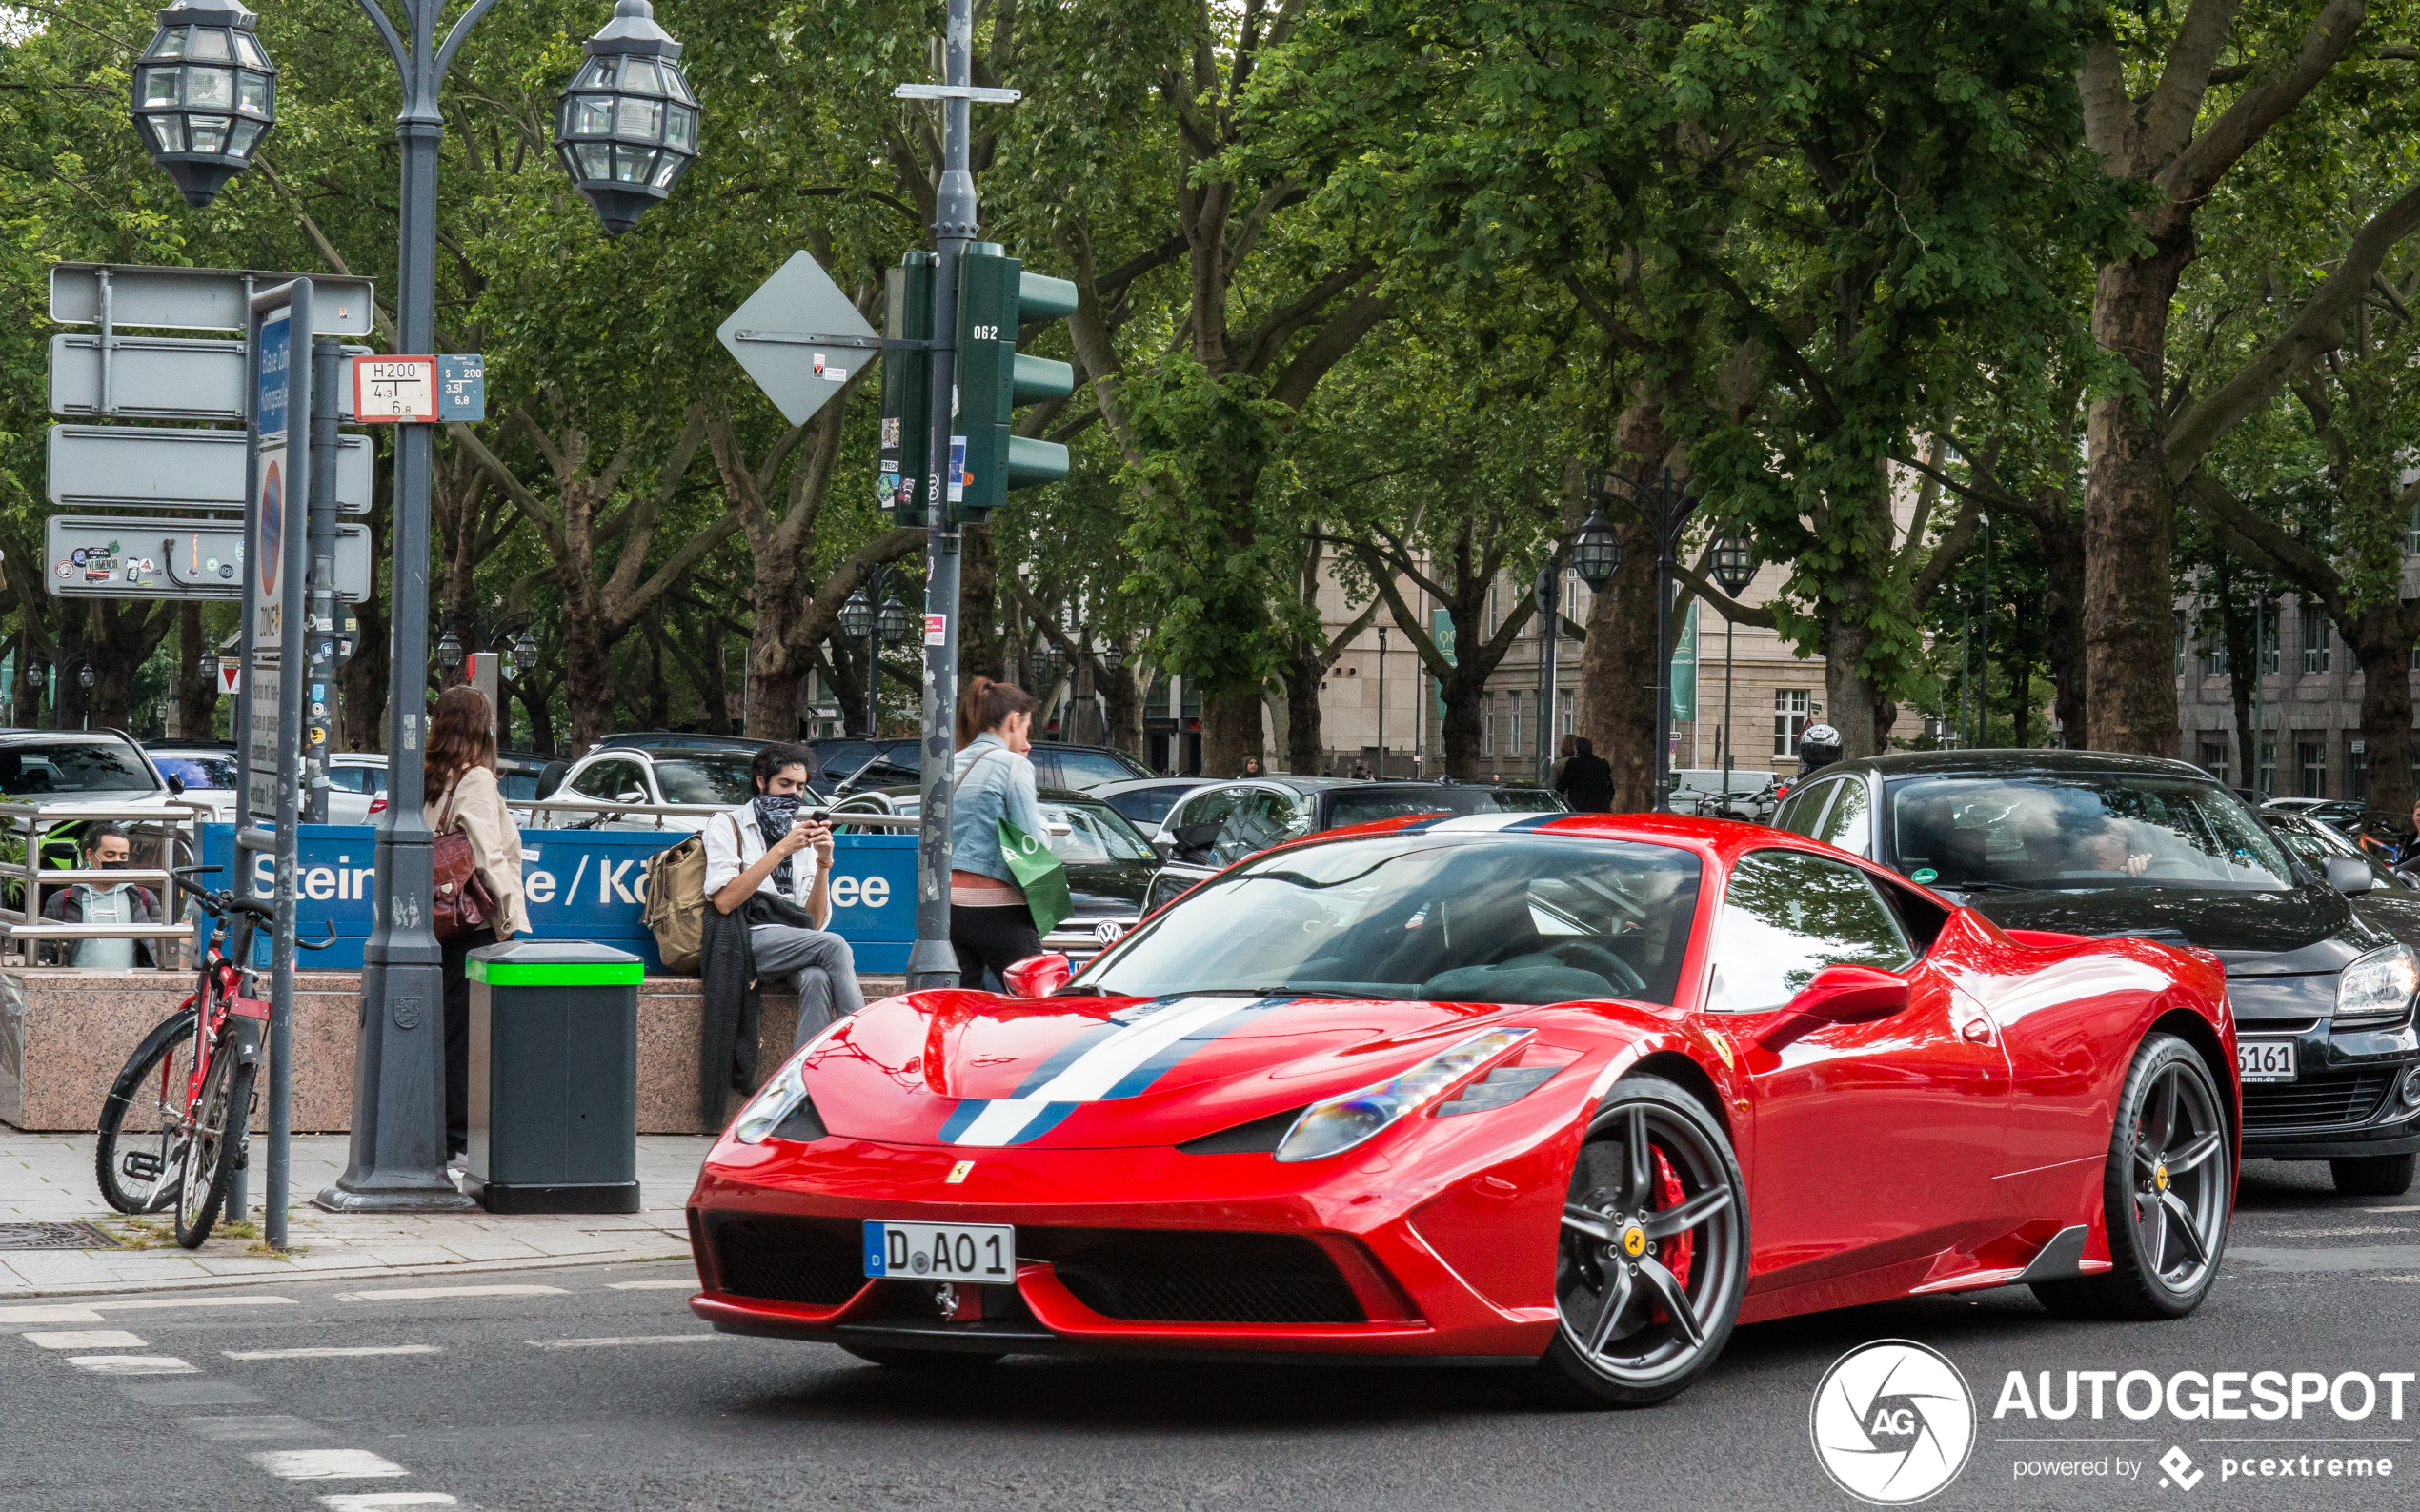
818 962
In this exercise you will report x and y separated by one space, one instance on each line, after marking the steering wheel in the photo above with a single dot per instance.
1587 957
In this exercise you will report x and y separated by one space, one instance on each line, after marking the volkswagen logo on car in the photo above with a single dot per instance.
1893 1422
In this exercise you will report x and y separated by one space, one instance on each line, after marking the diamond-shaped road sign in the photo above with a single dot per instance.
799 337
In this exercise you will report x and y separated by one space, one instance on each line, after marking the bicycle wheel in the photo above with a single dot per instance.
219 1116
140 1153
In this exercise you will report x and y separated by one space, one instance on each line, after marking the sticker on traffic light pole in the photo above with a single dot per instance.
958 470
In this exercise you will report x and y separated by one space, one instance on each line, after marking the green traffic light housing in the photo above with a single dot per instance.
995 298
903 454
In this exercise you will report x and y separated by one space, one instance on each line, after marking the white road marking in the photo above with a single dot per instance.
133 1366
685 1284
325 1464
49 1315
630 1338
153 1304
268 1425
88 1339
374 1500
330 1353
419 1294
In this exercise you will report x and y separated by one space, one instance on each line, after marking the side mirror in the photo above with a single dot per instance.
1842 994
630 796
552 779
1198 837
2348 876
176 784
1037 975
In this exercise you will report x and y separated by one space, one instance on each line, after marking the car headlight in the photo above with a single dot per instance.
776 1099
1340 1124
2380 983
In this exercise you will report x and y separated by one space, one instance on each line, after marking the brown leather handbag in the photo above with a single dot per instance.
463 901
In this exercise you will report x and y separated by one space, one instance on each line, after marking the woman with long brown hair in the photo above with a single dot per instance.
458 792
990 923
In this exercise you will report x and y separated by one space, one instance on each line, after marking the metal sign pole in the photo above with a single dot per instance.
327 366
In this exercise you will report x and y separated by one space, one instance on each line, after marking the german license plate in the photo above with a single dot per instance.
984 1253
2264 1060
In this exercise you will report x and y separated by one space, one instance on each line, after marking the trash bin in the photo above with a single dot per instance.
554 1078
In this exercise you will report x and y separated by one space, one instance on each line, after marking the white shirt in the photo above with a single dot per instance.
106 905
734 843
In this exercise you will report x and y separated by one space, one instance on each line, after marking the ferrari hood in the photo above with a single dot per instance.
963 1068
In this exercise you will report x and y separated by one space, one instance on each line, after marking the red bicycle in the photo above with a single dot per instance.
175 1128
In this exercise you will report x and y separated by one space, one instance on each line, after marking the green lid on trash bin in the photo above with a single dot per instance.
555 963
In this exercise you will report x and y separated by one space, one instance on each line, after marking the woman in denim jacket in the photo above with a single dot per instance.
989 921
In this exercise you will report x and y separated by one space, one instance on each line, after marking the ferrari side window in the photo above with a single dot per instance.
1787 917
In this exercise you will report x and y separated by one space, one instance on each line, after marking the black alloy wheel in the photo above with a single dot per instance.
219 1119
1652 1259
139 1152
2166 1192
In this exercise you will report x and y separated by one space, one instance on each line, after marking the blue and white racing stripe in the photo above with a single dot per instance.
1120 1058
1483 823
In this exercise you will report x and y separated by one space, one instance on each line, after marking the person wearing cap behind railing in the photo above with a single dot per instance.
106 849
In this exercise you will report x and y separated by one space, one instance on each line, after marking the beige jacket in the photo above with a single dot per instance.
496 843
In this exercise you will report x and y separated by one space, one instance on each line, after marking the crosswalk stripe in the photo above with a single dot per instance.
686 1284
235 1429
153 1304
377 1501
630 1338
330 1352
86 1339
325 1464
133 1366
49 1315
421 1294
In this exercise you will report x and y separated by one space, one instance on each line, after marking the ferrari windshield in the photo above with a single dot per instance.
1516 919
2079 832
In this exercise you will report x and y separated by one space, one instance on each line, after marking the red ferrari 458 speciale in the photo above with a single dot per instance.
1572 1093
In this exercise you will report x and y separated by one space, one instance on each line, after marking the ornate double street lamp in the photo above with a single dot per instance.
860 621
628 128
1664 506
1735 567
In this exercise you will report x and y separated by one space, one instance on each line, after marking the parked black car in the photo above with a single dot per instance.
1220 823
1146 801
2084 842
1109 863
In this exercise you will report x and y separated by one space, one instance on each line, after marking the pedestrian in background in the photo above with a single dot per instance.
991 923
106 849
1565 751
1586 783
768 872
458 792
1361 772
1251 767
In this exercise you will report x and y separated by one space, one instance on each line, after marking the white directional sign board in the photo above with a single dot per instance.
145 557
157 378
142 466
799 337
195 298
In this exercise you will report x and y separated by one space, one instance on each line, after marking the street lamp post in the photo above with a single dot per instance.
626 130
1381 707
1734 569
1547 609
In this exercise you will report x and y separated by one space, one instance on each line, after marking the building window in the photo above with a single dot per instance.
2411 530
2316 632
2269 641
2214 758
1512 724
2357 770
2183 632
1487 725
2214 659
1790 719
1567 711
2311 755
2266 783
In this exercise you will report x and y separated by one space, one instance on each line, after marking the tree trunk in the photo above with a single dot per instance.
1849 697
1231 730
588 675
1462 691
979 630
2382 637
1618 660
1304 742
2243 674
2130 522
1125 711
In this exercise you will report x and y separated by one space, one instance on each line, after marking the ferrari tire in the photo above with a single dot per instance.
2166 1191
2374 1175
1652 1255
919 1358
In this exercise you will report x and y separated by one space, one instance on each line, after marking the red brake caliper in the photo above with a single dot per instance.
1674 1251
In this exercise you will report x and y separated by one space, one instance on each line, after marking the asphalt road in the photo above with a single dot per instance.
603 1391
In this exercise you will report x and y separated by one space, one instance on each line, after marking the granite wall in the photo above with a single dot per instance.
64 1034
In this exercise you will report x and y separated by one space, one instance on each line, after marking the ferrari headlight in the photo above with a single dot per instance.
1340 1124
771 1103
2380 983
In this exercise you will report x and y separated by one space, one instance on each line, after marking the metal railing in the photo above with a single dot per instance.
870 818
28 828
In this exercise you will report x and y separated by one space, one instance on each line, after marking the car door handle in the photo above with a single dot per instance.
1977 1031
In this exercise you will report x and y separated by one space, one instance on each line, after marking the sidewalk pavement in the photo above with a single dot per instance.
47 1179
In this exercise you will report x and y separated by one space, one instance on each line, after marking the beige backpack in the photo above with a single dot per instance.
675 912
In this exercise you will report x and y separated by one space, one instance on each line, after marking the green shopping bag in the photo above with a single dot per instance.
1040 874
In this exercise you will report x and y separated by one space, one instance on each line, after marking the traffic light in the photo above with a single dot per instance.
995 297
904 457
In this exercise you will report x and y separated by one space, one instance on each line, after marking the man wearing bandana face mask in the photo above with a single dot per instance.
106 849
769 864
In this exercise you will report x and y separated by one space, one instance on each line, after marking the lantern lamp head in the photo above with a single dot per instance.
205 96
450 653
857 617
1595 551
627 128
894 619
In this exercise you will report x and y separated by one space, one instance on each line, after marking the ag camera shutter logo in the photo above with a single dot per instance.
1892 1423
